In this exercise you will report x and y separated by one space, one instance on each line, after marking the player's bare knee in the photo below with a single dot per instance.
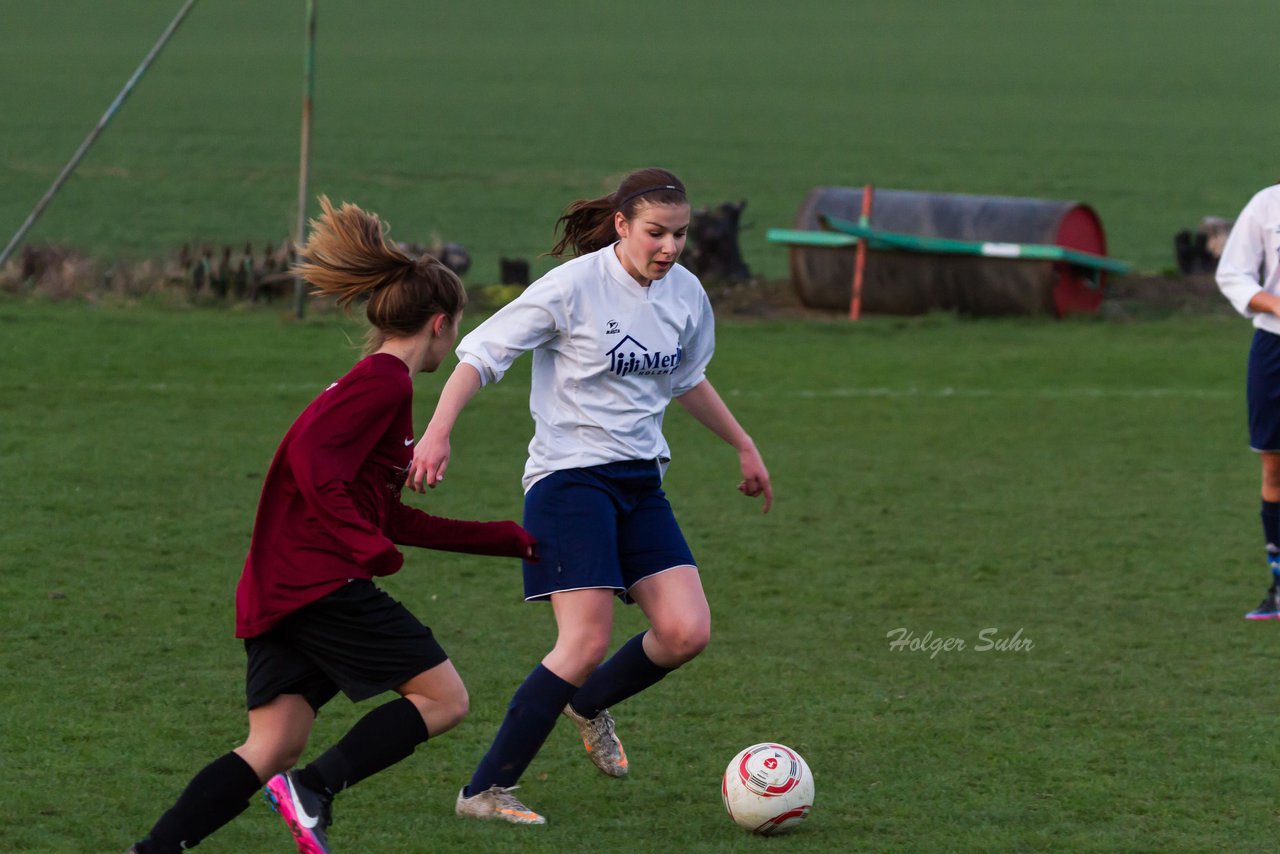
698 640
575 662
687 640
585 651
269 759
591 657
288 758
458 706
443 712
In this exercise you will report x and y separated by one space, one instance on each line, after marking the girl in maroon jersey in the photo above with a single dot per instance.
330 516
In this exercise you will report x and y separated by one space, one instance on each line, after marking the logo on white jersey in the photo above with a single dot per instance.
613 328
636 359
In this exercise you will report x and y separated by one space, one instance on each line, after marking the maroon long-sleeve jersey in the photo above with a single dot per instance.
330 509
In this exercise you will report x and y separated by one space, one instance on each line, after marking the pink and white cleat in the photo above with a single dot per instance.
307 813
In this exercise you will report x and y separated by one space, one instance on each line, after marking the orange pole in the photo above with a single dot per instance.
860 260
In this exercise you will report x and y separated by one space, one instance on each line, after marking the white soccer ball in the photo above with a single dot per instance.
768 789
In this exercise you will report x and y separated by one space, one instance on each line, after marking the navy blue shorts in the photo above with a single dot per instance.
603 526
1263 392
357 640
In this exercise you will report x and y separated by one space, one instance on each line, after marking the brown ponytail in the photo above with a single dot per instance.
587 224
347 256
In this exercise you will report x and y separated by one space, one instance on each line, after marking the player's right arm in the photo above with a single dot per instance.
531 320
1239 273
431 455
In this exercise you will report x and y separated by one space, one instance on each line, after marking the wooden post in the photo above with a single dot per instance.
304 169
860 260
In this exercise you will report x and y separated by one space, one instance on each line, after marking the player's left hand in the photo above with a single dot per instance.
755 477
523 544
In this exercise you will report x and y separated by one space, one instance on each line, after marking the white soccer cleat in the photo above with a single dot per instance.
496 803
601 741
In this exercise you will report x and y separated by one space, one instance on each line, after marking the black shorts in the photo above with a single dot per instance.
357 640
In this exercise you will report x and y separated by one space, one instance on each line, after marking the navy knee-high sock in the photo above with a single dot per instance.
628 672
529 720
1271 531
217 794
378 740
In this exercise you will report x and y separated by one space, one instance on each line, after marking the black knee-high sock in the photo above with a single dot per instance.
532 715
378 740
215 795
628 672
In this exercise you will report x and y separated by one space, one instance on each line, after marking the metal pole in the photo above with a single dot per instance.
95 133
304 170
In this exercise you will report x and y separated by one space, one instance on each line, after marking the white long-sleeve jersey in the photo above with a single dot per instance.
608 356
1251 257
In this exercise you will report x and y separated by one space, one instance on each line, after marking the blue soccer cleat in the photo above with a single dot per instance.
1269 609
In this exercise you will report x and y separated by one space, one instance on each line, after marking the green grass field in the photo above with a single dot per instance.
1084 484
1080 487
481 121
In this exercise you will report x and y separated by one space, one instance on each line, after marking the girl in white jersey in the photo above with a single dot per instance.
616 334
1249 276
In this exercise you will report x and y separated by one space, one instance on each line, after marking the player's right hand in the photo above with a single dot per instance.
430 459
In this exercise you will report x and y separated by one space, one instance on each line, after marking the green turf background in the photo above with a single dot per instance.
1069 481
1084 483
479 122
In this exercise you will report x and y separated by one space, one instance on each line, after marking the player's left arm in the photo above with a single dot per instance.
409 526
704 403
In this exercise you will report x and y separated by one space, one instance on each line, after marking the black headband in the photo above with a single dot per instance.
622 204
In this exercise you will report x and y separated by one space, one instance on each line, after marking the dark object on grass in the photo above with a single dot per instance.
243 281
712 251
1198 251
220 279
452 255
274 276
513 271
40 261
201 270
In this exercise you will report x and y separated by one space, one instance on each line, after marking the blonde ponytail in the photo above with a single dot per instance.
347 256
